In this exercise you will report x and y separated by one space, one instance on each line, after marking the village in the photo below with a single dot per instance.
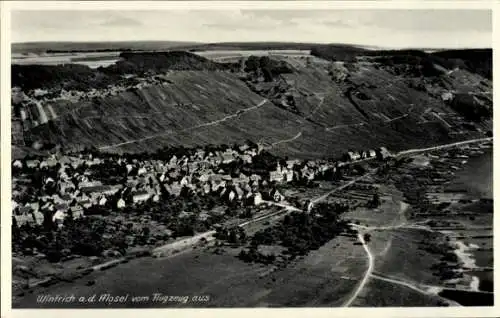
70 184
85 209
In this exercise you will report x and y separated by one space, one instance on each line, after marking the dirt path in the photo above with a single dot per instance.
368 273
215 122
284 141
344 126
321 100
299 134
402 116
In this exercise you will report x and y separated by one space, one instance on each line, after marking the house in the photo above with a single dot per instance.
15 205
176 188
63 207
58 217
173 174
85 183
200 153
246 158
120 204
242 178
244 147
49 206
383 153
173 160
247 187
140 196
184 214
204 177
32 163
129 168
51 162
276 176
22 219
239 193
227 157
35 206
102 200
255 177
232 195
17 164
257 198
81 197
206 188
276 196
163 177
352 156
102 189
307 173
203 216
76 211
86 203
288 175
372 153
291 163
185 181
38 217
141 171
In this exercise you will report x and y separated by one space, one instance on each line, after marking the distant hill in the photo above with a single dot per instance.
68 47
474 60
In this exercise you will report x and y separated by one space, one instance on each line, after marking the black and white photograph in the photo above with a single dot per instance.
241 157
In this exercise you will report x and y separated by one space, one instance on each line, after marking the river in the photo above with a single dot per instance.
475 248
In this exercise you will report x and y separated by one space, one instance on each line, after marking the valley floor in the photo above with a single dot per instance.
401 256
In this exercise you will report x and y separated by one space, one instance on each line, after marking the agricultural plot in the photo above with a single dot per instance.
383 294
327 276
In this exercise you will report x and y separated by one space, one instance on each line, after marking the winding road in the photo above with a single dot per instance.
460 143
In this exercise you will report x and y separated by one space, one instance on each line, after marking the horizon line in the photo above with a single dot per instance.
263 42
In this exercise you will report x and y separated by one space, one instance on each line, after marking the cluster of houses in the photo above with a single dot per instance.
199 173
146 180
380 153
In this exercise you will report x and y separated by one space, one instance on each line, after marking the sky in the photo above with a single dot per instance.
384 28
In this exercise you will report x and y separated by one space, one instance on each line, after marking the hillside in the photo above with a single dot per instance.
83 78
304 107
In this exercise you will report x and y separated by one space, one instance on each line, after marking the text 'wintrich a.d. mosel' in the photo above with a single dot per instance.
120 299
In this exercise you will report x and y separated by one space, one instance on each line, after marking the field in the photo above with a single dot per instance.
92 60
324 278
383 294
65 47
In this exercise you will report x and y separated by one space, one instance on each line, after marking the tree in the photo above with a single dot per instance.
375 201
366 237
16 234
252 64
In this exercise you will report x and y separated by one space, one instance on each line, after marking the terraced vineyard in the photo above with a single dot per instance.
338 106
